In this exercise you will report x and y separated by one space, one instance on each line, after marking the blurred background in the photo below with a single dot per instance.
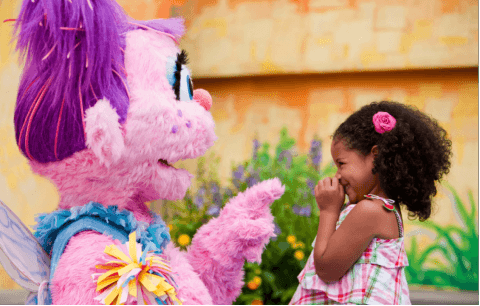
283 75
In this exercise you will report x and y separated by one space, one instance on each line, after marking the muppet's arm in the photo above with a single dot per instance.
243 228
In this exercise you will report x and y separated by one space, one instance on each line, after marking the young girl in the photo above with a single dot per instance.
387 154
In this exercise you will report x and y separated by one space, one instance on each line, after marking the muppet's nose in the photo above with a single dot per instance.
203 98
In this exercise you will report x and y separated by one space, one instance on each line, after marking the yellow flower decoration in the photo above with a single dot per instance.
184 239
257 280
135 276
299 255
291 239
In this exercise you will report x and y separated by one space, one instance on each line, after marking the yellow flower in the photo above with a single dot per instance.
291 239
299 255
170 227
300 245
257 302
257 280
184 239
252 285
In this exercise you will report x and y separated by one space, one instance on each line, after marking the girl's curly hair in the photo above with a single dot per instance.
411 157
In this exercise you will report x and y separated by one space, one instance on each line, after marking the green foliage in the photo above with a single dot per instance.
296 213
458 246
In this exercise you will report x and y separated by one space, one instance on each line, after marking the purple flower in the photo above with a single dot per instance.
251 181
228 192
198 201
213 210
238 173
214 188
311 185
285 155
217 199
256 145
305 211
315 153
276 230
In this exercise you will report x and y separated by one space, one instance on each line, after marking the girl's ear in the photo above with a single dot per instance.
374 151
103 132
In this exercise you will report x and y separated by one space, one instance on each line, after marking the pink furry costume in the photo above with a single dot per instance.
105 106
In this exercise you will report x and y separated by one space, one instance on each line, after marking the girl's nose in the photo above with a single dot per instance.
203 98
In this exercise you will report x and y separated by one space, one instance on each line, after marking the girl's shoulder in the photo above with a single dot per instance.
384 223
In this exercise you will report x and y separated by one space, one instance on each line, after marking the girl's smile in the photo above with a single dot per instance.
355 172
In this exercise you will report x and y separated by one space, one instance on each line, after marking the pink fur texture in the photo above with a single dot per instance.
242 230
104 135
121 166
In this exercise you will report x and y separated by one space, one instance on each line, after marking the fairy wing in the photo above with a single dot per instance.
20 253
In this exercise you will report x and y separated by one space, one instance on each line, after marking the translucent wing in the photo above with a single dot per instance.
20 253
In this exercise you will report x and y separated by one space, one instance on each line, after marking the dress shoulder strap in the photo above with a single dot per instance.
388 204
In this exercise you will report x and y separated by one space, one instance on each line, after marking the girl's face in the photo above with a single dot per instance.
354 172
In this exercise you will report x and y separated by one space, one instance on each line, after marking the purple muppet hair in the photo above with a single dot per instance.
74 55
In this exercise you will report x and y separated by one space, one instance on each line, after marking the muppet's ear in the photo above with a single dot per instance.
104 136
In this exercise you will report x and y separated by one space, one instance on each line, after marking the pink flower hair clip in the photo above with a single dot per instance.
383 122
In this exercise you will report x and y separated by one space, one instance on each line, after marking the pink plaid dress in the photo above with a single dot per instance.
378 277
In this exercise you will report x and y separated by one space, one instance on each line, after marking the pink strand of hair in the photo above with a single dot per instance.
58 127
81 108
151 29
30 85
121 66
93 92
30 111
69 52
90 4
37 104
125 85
31 107
49 52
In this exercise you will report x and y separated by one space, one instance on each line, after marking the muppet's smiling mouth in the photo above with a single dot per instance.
162 161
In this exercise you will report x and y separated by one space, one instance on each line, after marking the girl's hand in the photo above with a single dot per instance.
329 194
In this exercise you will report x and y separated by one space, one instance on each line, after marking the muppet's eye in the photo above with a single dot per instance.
178 75
186 86
190 88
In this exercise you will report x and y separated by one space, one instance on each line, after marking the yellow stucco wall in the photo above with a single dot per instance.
244 37
230 38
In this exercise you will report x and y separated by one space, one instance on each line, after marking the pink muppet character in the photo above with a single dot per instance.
105 106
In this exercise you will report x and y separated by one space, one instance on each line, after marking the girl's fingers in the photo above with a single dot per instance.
334 182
